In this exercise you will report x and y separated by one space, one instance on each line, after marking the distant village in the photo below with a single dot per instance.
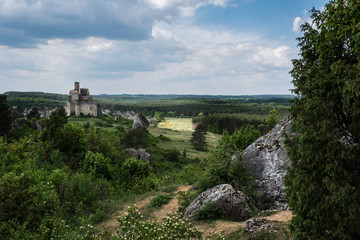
80 103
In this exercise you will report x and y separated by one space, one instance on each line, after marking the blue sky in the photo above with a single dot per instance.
150 46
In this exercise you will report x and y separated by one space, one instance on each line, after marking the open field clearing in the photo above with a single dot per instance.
179 131
181 124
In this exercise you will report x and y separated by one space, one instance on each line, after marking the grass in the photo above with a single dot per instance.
179 131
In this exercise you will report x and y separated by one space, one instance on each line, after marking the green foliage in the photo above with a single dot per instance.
270 121
171 114
218 123
138 138
33 114
208 211
243 137
160 200
164 138
222 167
198 137
98 165
185 198
5 116
133 226
323 181
54 125
133 170
159 116
24 202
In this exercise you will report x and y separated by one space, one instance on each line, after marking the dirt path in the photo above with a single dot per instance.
222 226
112 223
172 206
219 226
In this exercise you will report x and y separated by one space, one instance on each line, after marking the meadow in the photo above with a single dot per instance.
179 130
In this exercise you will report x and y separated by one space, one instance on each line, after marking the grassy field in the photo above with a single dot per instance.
91 120
179 131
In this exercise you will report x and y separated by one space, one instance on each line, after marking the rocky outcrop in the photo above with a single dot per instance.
255 225
140 121
141 154
234 204
267 160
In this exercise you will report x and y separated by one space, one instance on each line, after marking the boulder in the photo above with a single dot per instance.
267 161
142 154
235 204
255 225
140 121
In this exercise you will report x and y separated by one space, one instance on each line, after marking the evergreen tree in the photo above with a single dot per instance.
324 178
198 138
5 116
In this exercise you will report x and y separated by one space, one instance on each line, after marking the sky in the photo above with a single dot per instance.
216 47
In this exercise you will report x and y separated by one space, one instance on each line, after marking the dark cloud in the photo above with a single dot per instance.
26 23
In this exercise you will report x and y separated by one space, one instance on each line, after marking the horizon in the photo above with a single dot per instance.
150 94
202 47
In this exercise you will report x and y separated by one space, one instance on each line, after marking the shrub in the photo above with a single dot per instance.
185 198
24 201
97 165
133 226
208 211
160 200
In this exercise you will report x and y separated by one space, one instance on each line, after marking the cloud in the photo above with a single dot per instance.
178 58
26 23
298 21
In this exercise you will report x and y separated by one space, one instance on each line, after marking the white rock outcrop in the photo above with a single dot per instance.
234 204
267 160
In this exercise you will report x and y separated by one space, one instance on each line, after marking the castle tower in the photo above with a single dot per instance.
80 102
77 86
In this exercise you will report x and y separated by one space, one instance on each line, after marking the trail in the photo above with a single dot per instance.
219 226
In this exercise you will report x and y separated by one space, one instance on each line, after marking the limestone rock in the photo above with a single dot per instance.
267 160
140 121
255 225
142 154
235 204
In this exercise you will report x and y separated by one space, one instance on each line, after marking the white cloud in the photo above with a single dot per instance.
298 21
111 19
178 58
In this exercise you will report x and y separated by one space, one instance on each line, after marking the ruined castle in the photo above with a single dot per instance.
80 102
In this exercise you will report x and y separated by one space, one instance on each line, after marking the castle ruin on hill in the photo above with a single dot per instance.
81 103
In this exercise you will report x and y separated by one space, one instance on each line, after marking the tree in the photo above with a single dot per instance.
324 178
198 138
54 125
33 114
5 116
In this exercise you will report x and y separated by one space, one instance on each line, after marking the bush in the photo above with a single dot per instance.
24 201
133 226
160 200
98 165
208 211
185 198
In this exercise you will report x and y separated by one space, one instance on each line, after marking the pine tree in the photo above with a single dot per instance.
323 183
198 138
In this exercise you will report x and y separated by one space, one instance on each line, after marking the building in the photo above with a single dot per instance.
81 103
